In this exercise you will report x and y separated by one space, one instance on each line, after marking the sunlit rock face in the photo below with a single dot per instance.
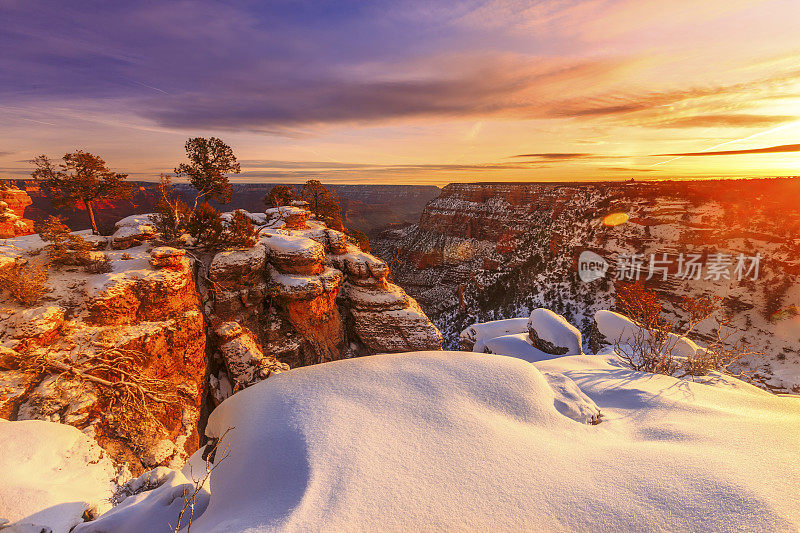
306 295
190 328
61 362
12 208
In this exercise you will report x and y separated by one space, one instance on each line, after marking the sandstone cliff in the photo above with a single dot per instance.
139 354
12 208
305 295
120 354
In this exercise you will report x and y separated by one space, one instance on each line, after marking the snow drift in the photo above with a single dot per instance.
467 441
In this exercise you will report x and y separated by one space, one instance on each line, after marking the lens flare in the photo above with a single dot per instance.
615 219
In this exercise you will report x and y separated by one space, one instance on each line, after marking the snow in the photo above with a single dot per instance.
516 345
154 510
477 333
50 473
554 329
462 441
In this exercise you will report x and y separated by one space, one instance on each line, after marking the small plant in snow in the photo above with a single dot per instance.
190 498
99 265
65 248
27 283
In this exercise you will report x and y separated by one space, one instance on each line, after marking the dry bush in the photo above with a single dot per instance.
190 498
126 256
64 248
172 214
27 283
99 265
651 346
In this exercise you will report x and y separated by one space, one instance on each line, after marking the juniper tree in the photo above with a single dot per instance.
82 178
323 203
205 225
209 162
279 195
241 232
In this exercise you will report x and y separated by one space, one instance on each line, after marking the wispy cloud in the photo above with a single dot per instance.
784 148
558 156
742 120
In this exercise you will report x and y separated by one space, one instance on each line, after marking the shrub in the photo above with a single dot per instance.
126 256
205 225
27 283
65 248
359 238
98 265
650 347
241 232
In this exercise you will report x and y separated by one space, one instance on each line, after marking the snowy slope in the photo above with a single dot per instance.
464 441
49 474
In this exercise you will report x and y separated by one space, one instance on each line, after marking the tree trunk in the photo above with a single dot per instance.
88 205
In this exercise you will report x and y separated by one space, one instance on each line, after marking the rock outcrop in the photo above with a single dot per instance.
305 295
122 357
12 209
136 357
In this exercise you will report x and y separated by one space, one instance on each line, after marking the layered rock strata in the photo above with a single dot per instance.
12 209
139 324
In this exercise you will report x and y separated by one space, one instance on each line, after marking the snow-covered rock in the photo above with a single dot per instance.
551 333
132 231
460 441
49 475
473 337
515 345
167 257
610 328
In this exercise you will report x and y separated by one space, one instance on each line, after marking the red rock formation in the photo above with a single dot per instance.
12 208
142 321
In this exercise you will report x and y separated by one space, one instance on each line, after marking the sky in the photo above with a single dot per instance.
414 92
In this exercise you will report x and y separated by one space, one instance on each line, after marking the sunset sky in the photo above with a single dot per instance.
408 91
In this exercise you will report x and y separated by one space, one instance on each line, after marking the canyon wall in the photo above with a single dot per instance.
491 251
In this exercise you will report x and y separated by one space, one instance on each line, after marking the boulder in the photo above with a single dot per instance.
132 231
295 254
245 362
167 257
40 323
12 208
551 333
